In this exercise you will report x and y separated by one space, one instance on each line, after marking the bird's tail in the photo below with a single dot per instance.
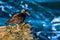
7 22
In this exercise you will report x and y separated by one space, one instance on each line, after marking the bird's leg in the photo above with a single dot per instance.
23 25
17 26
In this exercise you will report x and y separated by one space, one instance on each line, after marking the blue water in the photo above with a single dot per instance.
44 19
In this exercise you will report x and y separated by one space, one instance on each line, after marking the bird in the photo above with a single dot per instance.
18 18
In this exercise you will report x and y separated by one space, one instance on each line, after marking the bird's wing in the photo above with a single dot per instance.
16 14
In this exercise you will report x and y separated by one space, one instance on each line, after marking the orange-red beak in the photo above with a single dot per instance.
27 13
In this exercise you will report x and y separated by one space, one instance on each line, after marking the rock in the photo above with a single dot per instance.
11 32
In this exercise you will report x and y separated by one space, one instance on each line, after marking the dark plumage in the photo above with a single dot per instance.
18 17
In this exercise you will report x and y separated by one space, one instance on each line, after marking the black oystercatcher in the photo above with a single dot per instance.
18 18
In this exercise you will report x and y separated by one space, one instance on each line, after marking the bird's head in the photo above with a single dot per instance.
25 12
